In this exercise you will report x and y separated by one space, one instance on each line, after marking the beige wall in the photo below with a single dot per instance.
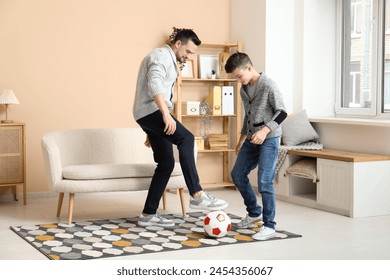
73 63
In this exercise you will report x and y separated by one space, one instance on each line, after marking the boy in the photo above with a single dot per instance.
259 143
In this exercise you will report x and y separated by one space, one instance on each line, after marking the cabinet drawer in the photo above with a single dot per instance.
11 155
335 183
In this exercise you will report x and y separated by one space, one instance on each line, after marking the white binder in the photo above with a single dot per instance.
227 100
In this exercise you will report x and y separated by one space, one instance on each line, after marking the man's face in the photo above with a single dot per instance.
242 75
185 50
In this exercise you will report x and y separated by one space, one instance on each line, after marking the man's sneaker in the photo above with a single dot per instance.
247 221
207 202
154 220
264 233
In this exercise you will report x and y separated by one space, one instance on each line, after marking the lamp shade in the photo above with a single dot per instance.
7 96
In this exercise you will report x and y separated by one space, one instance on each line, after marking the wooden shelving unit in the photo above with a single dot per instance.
229 124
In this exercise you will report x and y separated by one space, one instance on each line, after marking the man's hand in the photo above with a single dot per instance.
147 142
170 124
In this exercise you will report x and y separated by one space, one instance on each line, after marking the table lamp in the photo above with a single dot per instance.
8 97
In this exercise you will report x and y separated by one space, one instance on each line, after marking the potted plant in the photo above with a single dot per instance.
213 74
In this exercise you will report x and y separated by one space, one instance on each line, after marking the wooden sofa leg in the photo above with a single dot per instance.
70 212
164 199
59 205
182 202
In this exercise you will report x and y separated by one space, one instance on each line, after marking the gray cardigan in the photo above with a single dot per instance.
263 108
157 74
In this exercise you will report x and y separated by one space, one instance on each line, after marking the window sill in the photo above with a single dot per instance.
352 121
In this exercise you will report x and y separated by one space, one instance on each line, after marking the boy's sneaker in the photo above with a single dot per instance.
207 202
154 220
247 221
264 233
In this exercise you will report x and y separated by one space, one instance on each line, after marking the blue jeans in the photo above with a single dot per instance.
264 157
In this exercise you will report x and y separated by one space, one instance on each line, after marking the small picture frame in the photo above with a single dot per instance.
188 70
209 66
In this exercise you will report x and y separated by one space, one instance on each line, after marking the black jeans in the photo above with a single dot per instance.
161 144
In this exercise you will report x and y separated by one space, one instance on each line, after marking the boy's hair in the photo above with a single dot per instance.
237 60
184 35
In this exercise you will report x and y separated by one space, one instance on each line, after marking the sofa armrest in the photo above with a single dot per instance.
52 161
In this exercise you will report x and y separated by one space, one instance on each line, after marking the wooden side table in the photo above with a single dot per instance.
13 157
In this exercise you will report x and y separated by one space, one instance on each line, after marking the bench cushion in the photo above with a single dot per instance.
306 168
112 171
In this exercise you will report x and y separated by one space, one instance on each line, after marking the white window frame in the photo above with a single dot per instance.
386 72
377 66
354 33
387 24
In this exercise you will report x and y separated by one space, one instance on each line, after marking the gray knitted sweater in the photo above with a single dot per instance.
263 108
157 75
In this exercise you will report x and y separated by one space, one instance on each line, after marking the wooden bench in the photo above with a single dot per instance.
349 183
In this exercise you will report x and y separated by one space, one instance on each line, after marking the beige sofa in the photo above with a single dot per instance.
101 160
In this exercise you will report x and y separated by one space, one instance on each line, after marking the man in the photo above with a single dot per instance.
152 111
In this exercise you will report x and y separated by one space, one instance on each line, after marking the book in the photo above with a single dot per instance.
227 100
215 100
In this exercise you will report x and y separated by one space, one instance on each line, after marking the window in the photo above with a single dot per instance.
364 85
386 103
356 21
354 97
387 19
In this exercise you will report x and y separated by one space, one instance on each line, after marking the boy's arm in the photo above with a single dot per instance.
240 143
259 136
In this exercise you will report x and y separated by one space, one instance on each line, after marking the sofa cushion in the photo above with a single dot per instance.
112 171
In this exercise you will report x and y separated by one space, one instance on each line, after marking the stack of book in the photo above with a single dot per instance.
218 141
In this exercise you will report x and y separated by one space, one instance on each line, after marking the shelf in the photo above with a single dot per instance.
351 121
216 151
310 196
218 185
197 116
219 45
208 80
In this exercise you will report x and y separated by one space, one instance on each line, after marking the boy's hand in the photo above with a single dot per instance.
240 143
238 147
259 136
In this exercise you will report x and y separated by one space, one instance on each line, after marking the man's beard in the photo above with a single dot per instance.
181 59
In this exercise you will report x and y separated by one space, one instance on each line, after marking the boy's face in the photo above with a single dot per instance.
243 75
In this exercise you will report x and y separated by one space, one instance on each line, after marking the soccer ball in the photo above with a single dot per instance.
216 224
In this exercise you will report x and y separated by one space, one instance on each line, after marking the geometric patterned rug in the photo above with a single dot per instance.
120 237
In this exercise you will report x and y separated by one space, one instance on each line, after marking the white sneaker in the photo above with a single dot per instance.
247 221
207 202
154 220
264 233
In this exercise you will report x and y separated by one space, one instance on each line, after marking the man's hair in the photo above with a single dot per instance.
237 60
184 35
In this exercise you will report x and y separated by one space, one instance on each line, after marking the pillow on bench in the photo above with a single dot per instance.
297 129
306 168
